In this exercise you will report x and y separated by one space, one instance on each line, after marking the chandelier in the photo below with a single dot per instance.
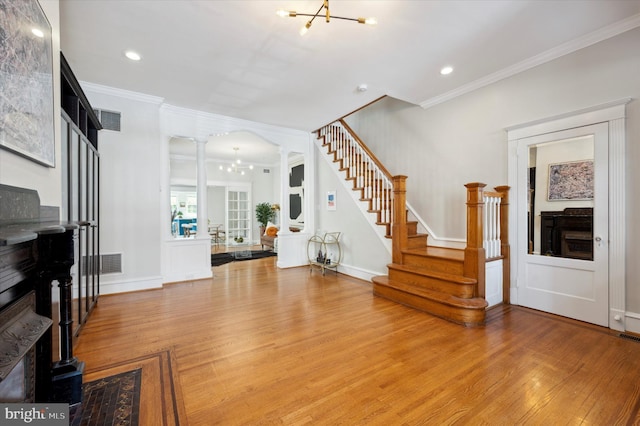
328 16
235 166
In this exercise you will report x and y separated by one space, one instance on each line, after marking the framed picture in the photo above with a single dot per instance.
571 181
331 200
26 78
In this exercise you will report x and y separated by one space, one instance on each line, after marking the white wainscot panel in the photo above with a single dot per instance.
493 282
187 260
576 282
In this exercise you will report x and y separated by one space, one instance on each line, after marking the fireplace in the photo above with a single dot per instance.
20 330
567 233
36 251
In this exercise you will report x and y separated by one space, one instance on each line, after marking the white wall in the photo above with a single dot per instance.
216 205
18 171
464 140
364 255
130 190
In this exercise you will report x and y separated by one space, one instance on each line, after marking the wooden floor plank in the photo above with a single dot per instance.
261 345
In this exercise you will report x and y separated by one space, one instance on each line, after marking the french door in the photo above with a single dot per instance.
238 215
563 246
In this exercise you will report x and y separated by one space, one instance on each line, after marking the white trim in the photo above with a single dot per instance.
121 93
591 115
632 321
613 113
114 287
564 49
355 272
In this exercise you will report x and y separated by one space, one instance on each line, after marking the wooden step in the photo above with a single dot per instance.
437 259
417 241
455 285
468 312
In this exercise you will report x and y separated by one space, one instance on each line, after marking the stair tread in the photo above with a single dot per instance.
444 298
434 251
433 274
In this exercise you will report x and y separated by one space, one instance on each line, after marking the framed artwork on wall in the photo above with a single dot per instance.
331 200
571 181
26 78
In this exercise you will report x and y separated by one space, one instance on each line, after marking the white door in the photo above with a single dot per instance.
562 266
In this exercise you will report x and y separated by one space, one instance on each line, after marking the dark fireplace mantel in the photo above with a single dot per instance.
36 249
567 233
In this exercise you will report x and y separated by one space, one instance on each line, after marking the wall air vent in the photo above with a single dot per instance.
266 170
109 264
110 120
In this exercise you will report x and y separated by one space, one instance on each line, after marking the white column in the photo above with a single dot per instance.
203 227
284 190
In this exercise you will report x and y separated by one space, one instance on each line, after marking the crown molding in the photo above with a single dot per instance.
121 93
587 40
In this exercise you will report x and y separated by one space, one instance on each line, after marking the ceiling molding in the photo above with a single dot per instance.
587 40
121 93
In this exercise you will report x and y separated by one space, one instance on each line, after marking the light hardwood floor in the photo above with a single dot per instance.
258 345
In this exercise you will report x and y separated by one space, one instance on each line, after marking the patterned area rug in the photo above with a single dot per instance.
112 400
222 258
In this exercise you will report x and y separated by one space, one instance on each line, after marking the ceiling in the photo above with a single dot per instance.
239 59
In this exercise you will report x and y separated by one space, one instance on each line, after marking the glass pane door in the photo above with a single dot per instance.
239 216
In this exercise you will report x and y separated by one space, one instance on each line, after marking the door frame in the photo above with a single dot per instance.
612 113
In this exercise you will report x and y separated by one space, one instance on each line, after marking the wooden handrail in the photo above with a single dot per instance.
366 149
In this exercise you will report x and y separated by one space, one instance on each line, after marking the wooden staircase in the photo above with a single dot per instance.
432 279
445 282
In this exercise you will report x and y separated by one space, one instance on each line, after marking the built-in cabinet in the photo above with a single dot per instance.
81 192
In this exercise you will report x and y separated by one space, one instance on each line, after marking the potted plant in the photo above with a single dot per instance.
264 213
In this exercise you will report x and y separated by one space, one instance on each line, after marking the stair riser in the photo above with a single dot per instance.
448 266
417 241
465 316
464 291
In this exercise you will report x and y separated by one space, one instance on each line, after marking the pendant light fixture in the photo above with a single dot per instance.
327 14
235 166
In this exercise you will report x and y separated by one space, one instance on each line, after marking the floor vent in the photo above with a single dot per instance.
630 337
110 120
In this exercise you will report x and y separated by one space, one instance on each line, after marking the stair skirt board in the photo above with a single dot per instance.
468 312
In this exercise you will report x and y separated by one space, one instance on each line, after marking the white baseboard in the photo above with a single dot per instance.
360 273
178 276
114 287
632 322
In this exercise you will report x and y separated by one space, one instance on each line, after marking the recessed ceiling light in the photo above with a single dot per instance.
37 32
132 55
446 70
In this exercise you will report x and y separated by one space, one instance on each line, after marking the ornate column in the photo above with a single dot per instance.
203 226
284 191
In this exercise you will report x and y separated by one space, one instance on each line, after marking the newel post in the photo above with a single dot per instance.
504 243
474 254
399 236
